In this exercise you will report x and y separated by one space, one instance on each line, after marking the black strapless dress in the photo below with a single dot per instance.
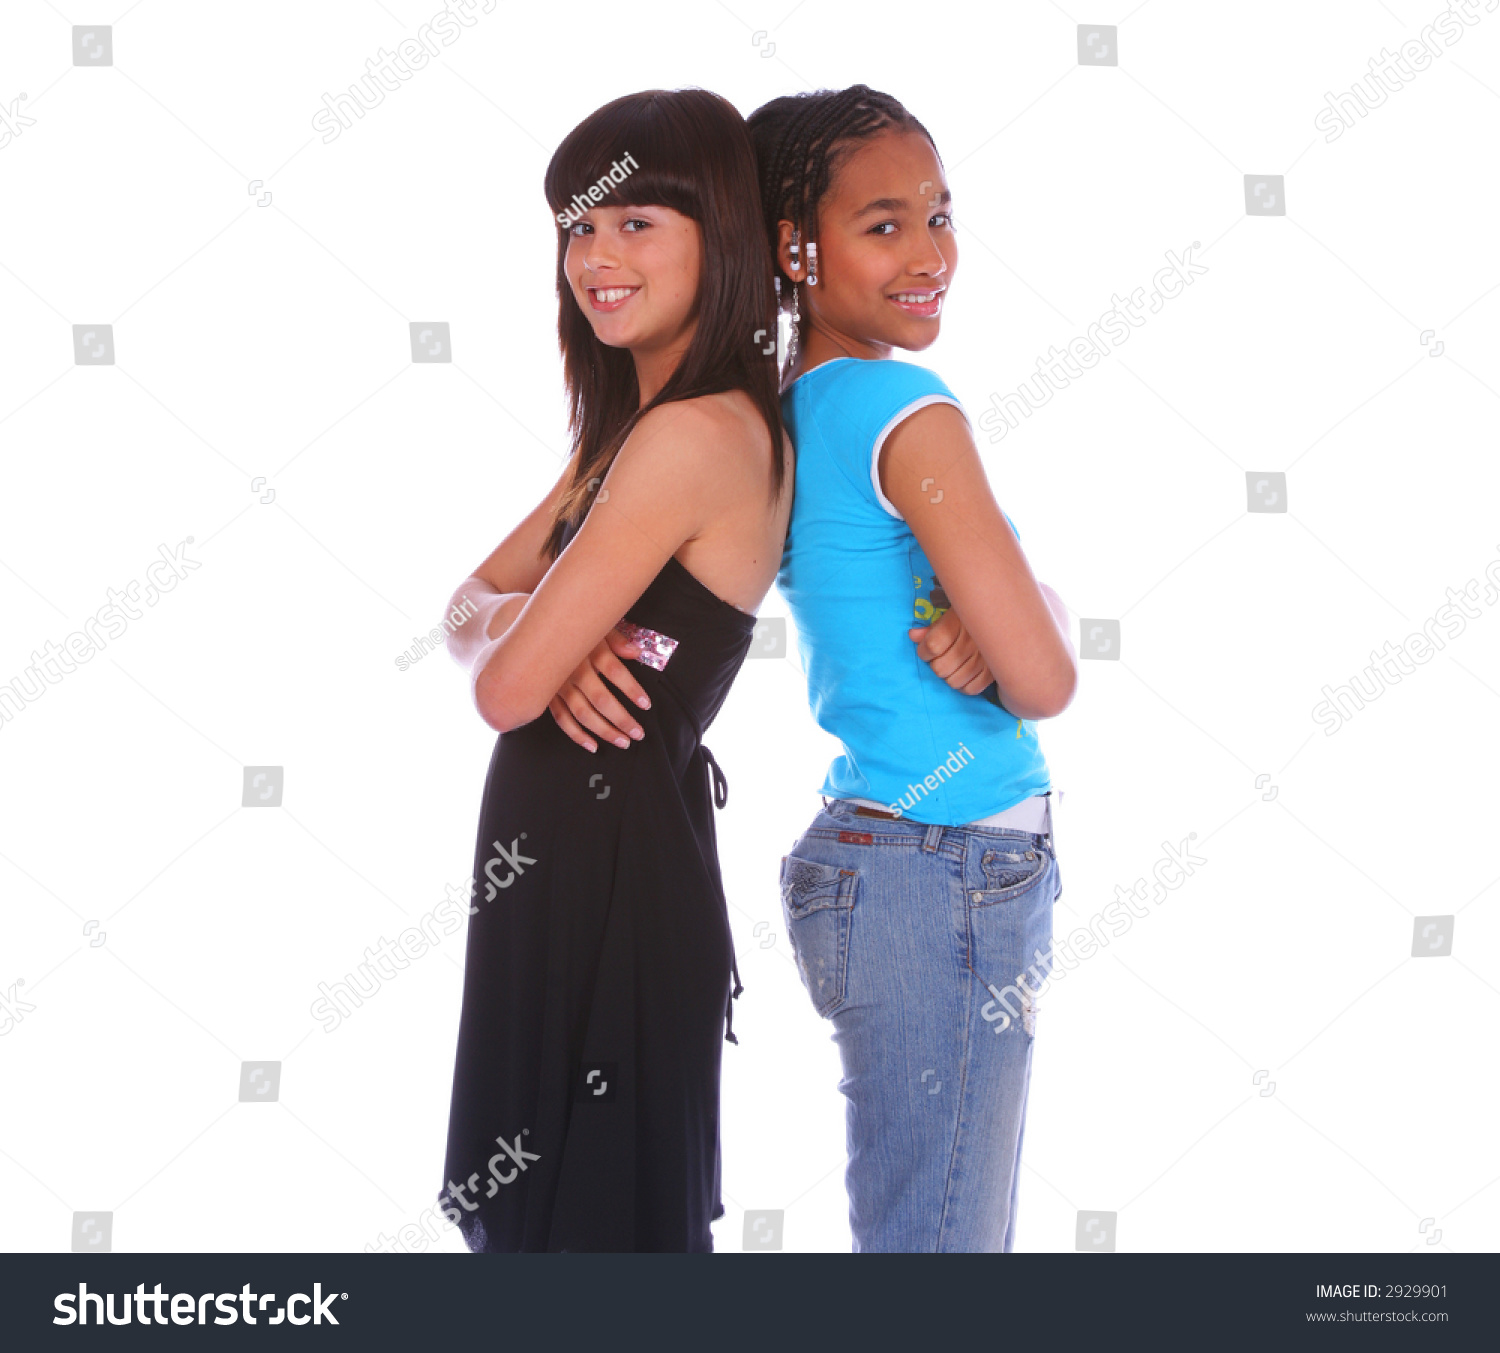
599 967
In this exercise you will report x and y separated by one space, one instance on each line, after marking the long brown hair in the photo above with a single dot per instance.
689 151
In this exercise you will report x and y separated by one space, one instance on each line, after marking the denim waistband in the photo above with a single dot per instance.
932 835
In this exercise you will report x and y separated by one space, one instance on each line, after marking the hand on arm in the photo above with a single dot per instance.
1013 624
949 649
585 703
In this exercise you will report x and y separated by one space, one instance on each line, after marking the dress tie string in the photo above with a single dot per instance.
720 784
719 792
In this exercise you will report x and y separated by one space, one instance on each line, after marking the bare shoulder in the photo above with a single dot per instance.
729 415
710 435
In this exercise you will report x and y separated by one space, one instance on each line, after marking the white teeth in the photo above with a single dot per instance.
914 297
608 294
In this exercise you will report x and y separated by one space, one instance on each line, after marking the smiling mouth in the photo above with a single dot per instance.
610 298
919 302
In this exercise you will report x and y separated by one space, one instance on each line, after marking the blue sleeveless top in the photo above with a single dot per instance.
856 580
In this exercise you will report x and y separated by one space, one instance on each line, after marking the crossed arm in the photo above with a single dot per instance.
537 627
949 649
542 637
1014 628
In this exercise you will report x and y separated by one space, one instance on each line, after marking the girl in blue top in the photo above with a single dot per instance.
919 900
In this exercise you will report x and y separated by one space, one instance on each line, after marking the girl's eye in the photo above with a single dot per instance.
946 217
634 221
881 227
579 227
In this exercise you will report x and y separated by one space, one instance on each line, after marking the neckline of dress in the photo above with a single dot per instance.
702 587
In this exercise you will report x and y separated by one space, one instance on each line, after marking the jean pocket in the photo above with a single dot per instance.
1010 933
817 902
1007 871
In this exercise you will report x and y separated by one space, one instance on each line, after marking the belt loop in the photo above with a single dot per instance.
934 837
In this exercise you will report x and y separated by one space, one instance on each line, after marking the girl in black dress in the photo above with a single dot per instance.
599 967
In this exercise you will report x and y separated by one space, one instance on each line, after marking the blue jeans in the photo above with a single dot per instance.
926 946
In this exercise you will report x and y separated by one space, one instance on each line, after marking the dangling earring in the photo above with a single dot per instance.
791 342
812 264
794 249
780 345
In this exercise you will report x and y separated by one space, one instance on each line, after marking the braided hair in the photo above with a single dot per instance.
800 141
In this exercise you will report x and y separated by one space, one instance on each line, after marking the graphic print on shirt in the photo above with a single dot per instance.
930 604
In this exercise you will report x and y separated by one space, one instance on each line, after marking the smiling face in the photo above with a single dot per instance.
886 252
634 272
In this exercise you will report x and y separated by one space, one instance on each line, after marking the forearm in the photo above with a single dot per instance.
494 613
1059 609
487 673
1049 663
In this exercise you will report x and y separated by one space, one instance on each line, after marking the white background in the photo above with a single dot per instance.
273 341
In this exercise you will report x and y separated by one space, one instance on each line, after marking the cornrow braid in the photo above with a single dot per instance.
800 140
